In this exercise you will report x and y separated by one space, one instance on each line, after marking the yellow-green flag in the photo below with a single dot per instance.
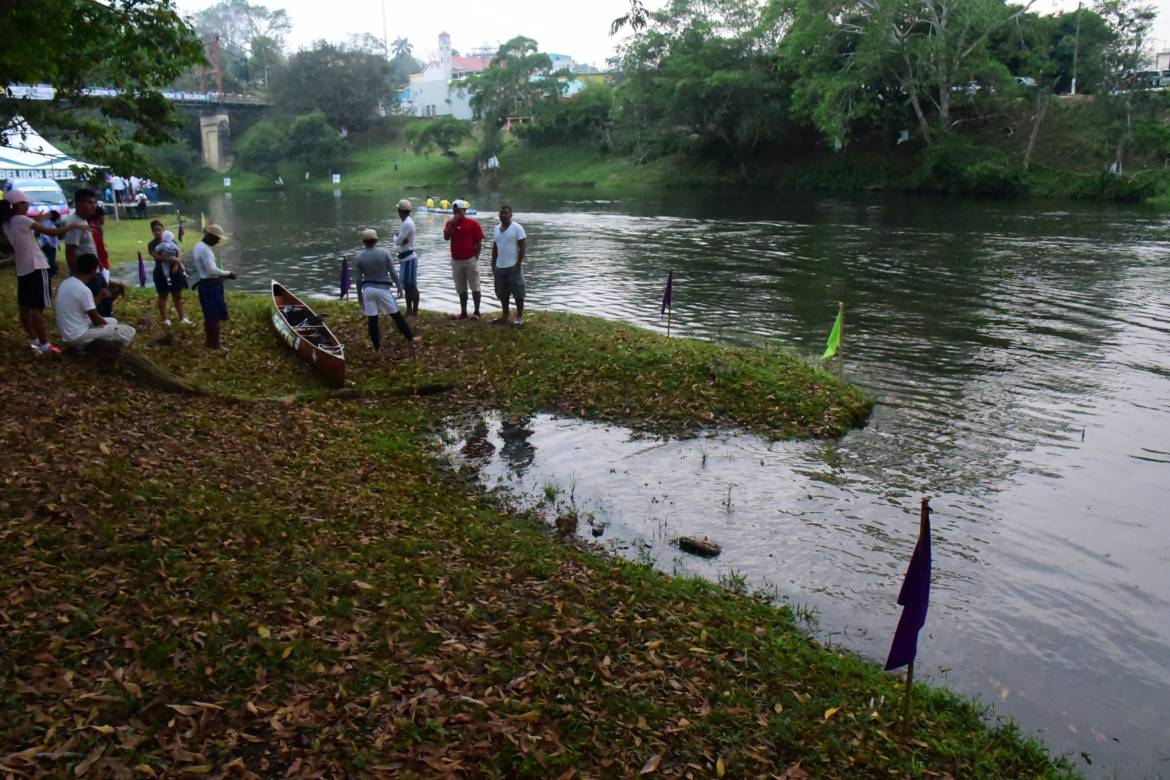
202 220
834 342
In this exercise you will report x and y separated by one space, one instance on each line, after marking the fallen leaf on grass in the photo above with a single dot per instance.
651 766
831 712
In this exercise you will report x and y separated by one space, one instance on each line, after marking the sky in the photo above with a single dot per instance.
578 29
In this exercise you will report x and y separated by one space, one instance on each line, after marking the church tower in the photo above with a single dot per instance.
445 55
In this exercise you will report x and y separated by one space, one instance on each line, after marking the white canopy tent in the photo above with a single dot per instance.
25 154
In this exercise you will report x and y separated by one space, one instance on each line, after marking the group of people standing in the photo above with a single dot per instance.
375 272
85 300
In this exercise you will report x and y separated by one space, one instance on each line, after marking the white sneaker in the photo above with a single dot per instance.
166 323
185 321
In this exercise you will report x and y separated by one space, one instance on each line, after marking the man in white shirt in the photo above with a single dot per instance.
77 318
407 257
119 185
210 284
509 243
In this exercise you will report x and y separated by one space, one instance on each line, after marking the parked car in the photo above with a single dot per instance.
44 195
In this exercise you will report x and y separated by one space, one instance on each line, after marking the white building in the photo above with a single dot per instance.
438 90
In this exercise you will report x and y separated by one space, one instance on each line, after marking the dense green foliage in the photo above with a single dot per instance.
75 44
307 140
443 134
348 85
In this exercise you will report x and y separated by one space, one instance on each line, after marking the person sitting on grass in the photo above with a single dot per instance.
375 271
78 320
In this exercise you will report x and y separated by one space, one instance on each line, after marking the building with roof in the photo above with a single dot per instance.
439 90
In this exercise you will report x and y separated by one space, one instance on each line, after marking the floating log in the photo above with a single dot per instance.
704 547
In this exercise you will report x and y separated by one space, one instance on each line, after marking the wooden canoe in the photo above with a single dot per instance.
307 335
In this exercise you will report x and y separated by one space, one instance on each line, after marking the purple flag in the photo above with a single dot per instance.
666 293
141 271
181 231
914 597
344 278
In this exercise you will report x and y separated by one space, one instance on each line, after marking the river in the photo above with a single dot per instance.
1020 355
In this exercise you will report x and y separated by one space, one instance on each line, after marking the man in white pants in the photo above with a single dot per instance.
375 271
77 319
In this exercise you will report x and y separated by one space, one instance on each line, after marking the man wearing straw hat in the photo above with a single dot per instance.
210 284
407 257
375 272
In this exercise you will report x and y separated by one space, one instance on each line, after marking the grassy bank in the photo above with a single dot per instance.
986 159
220 586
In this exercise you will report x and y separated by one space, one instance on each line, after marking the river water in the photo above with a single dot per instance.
1020 355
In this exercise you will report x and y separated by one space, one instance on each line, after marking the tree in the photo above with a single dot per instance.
582 119
930 49
267 59
347 85
516 81
262 147
240 22
702 76
313 143
401 46
98 45
1123 56
444 133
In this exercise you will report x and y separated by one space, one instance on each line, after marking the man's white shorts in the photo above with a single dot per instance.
378 300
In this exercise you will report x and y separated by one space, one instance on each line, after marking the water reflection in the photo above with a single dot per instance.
1018 353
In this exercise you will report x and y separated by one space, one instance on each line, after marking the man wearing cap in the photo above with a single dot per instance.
508 246
466 237
407 257
210 284
375 271
32 269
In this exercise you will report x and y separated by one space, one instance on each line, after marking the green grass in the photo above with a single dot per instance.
200 584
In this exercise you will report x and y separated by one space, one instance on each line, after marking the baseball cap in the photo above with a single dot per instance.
459 204
369 234
16 196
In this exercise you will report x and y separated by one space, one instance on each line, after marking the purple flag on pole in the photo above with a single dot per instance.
180 228
914 597
344 278
141 271
666 293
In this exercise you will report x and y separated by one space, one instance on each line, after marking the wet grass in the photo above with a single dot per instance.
222 587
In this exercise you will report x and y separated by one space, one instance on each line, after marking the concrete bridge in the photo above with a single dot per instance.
214 119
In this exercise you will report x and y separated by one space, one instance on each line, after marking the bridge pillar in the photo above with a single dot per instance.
215 132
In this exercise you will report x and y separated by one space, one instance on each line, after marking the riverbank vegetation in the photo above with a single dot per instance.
972 98
227 585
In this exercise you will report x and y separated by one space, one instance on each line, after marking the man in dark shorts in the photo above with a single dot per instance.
165 282
466 237
509 244
210 284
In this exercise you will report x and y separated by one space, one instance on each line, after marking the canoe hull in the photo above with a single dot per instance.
319 348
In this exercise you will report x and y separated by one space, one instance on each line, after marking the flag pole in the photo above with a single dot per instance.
841 341
923 520
906 703
668 313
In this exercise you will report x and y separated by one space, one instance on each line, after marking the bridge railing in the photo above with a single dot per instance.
46 92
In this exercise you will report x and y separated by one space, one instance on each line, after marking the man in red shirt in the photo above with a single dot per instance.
466 237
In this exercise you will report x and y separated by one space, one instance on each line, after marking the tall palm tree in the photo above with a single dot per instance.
401 46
